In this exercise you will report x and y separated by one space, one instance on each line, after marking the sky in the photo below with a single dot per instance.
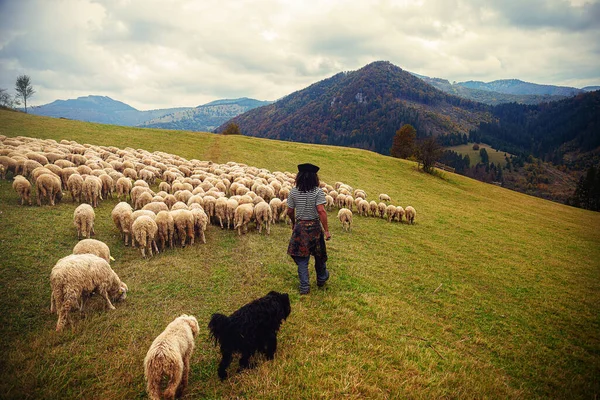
183 53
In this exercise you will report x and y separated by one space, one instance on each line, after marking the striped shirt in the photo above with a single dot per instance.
305 203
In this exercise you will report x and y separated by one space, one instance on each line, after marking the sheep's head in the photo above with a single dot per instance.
119 292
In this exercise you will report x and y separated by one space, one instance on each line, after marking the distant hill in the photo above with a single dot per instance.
487 96
364 109
591 88
518 87
100 109
206 117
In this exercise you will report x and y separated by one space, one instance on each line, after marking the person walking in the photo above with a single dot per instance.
306 209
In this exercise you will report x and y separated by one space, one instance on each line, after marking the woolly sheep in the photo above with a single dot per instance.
345 217
200 222
179 206
122 218
242 216
76 277
142 200
349 202
410 213
164 186
340 201
263 215
363 207
48 187
83 219
166 229
373 208
23 188
232 204
92 190
170 200
123 187
399 214
136 191
156 207
384 197
184 225
221 210
144 231
108 185
95 247
390 212
169 356
329 202
381 207
75 186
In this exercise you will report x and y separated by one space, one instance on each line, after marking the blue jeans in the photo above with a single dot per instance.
320 269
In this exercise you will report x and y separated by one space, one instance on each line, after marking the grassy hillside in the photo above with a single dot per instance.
517 314
496 157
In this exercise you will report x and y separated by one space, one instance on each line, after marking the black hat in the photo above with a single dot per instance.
308 168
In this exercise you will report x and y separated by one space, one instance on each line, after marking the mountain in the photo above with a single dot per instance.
518 87
591 88
100 109
206 117
364 109
488 96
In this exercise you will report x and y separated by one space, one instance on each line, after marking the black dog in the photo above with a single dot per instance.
250 329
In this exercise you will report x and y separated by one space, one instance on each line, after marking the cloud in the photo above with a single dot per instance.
154 54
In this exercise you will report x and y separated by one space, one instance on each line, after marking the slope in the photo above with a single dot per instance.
364 109
515 316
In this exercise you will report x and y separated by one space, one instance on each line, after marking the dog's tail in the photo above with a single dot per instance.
218 326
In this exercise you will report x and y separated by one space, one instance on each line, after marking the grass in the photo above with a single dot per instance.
517 314
496 157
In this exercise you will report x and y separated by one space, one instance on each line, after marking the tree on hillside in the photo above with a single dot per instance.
485 158
403 144
24 88
232 129
428 152
6 100
587 193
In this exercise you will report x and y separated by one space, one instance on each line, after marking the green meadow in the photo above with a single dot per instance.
491 294
496 157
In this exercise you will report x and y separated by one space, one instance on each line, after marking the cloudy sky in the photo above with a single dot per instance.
171 53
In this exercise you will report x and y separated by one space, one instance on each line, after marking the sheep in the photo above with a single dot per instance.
345 217
136 192
164 186
384 197
166 229
76 277
75 186
340 201
410 213
83 219
360 193
144 231
349 202
200 222
399 214
9 164
130 173
390 212
232 204
179 206
169 355
156 206
221 209
243 214
381 209
108 185
142 200
23 188
40 171
184 225
373 208
95 247
122 218
48 187
123 187
263 215
209 206
330 202
275 205
363 207
170 200
92 190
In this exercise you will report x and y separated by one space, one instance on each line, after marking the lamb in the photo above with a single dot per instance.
122 218
345 217
48 187
144 231
263 215
169 355
95 247
23 188
166 229
76 277
384 197
410 213
390 212
75 186
381 209
123 187
399 214
242 216
83 219
92 190
184 225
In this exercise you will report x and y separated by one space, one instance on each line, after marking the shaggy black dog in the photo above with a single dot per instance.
250 329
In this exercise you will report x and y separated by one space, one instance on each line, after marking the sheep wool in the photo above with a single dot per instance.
95 247
345 217
410 213
83 219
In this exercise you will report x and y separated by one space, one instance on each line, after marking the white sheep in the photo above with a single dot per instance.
95 247
75 278
231 206
144 230
166 229
83 219
390 212
399 214
23 188
345 217
184 225
381 207
373 208
221 209
123 187
75 187
263 215
200 222
48 187
243 215
122 218
384 197
363 207
92 190
410 213
169 356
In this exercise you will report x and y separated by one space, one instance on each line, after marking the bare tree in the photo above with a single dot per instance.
428 152
6 100
24 88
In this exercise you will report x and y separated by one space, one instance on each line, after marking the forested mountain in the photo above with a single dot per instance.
518 87
364 109
100 109
206 117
